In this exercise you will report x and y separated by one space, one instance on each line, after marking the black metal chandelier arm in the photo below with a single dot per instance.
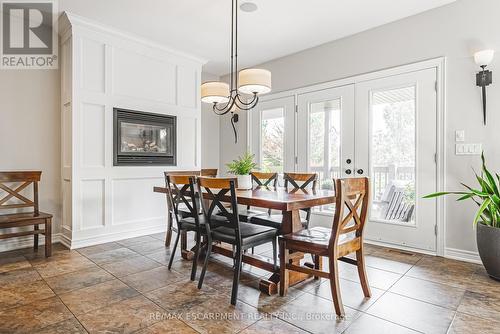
255 98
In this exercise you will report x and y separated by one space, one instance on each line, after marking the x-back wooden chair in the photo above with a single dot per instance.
260 180
12 185
294 182
345 237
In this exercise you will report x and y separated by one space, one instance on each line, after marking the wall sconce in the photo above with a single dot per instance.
484 78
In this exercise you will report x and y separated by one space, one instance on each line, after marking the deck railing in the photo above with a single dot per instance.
381 176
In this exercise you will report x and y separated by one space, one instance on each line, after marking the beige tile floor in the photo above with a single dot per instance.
125 287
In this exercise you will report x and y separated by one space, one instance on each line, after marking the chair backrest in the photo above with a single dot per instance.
352 194
219 191
264 179
211 172
181 190
300 181
13 183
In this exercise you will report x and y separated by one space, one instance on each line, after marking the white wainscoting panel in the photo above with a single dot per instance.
93 68
138 76
66 145
187 137
134 201
93 135
187 87
92 205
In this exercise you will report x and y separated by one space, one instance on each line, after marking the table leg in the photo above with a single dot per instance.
187 254
168 236
291 223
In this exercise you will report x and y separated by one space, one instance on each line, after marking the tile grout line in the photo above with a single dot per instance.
140 293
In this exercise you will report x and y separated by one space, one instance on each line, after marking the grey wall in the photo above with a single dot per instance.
30 134
454 31
210 129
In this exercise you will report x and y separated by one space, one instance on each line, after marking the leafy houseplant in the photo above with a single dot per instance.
487 217
242 167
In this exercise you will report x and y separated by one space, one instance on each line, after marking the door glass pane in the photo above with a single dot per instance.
393 155
324 142
272 140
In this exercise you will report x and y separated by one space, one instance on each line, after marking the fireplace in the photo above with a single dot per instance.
143 139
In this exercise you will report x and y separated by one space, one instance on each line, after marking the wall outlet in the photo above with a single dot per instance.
460 135
468 149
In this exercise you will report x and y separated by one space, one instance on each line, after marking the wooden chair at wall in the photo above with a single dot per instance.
12 184
241 236
345 237
294 182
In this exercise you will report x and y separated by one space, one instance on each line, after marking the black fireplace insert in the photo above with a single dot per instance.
143 139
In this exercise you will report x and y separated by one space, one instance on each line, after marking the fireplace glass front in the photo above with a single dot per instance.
144 138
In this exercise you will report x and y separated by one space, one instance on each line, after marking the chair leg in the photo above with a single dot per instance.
335 287
196 256
48 237
236 279
35 239
275 255
363 278
205 263
172 254
283 270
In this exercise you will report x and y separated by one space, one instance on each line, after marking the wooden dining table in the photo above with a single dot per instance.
289 203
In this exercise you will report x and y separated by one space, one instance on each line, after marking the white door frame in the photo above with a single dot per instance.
440 65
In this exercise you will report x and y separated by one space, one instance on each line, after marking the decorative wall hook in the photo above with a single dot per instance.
484 77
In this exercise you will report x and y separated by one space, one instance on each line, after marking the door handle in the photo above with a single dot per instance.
360 171
348 171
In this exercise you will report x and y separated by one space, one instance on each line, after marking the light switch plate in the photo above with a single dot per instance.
468 149
459 135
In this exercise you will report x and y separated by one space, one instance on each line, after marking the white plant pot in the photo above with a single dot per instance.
244 181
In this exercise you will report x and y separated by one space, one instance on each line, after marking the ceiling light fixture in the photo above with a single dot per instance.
244 86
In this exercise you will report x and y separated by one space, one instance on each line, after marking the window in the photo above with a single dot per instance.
272 140
393 154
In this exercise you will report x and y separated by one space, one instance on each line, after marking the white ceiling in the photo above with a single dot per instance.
276 29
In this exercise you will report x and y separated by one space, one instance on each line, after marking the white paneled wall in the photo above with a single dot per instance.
102 69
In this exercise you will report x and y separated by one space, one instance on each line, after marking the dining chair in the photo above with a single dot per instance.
345 237
183 210
240 235
260 180
294 182
211 172
180 190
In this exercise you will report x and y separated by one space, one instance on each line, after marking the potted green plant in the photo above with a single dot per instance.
242 167
487 218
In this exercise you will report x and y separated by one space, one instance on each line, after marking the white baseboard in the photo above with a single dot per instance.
115 236
401 247
450 253
462 255
27 242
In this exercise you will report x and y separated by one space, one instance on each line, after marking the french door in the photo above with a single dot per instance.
384 128
325 133
396 145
